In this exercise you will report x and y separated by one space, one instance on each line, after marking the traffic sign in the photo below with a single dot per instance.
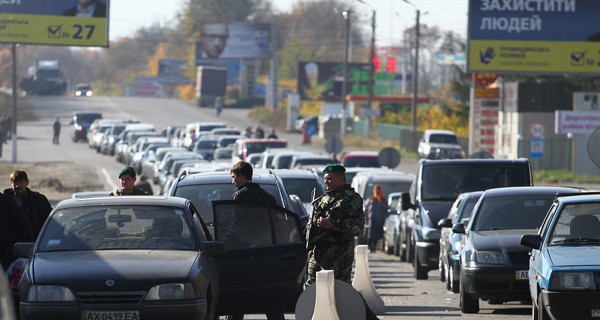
389 157
311 130
333 144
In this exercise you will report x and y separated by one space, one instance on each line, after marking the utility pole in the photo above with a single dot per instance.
13 122
415 77
371 75
346 16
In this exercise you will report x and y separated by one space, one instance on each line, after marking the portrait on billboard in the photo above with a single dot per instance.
87 8
221 40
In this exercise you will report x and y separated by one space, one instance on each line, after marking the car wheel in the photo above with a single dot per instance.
387 248
397 246
419 271
409 251
448 278
468 304
539 309
402 248
452 280
442 271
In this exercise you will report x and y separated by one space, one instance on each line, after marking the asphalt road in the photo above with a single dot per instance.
404 297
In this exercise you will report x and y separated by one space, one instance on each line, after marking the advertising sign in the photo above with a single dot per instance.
171 71
56 22
323 81
544 37
238 40
151 87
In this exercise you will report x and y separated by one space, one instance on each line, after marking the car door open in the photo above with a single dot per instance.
266 256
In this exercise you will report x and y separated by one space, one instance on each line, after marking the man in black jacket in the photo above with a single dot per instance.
14 227
34 205
241 177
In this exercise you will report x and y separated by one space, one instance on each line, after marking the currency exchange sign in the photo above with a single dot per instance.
56 22
529 36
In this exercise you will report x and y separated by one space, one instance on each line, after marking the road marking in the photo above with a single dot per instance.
109 181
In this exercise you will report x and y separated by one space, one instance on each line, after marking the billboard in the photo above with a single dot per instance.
238 40
56 22
323 81
171 71
544 37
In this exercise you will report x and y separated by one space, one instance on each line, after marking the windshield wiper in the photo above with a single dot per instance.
577 240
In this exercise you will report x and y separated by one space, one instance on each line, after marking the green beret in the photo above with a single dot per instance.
335 167
127 170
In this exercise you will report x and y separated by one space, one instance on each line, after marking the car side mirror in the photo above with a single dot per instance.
405 200
458 228
532 241
445 223
23 249
214 248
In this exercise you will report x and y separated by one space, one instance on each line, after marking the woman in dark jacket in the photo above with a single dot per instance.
376 212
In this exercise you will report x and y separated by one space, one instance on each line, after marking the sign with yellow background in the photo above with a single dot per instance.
57 22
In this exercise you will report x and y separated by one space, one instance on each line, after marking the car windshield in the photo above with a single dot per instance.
202 195
443 138
512 212
116 228
467 209
368 162
577 224
450 180
388 187
206 144
88 118
309 161
303 188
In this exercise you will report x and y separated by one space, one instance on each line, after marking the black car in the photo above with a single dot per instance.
493 264
149 257
81 123
436 187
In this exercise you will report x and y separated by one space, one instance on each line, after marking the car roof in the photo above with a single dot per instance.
259 176
437 131
473 161
528 190
360 154
126 201
294 173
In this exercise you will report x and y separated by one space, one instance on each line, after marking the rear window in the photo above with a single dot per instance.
387 186
87 118
446 182
368 162
256 147
443 138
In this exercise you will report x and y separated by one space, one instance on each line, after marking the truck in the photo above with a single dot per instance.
211 82
45 78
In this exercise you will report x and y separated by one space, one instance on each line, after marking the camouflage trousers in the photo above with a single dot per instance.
337 256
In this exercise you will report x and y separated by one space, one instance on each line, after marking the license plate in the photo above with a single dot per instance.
110 315
522 274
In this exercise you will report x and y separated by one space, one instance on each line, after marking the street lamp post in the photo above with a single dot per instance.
415 77
346 16
367 133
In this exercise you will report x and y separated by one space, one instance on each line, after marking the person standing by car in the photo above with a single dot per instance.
14 227
56 130
34 205
241 177
128 188
219 105
376 212
337 218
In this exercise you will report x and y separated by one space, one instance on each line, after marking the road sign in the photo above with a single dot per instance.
389 157
537 148
311 130
333 144
537 130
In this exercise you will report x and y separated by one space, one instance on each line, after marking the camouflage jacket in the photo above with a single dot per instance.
345 207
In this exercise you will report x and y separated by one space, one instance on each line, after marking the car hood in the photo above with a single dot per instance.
130 270
436 210
500 240
574 255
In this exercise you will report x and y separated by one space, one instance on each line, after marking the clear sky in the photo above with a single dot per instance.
393 16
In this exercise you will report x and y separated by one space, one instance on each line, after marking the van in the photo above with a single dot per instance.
242 148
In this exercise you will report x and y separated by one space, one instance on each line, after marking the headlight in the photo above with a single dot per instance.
50 293
78 93
78 128
431 233
573 281
89 93
489 257
172 291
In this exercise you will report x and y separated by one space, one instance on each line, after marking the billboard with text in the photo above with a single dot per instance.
527 36
56 22
221 40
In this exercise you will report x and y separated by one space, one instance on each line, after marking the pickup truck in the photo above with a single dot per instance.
435 188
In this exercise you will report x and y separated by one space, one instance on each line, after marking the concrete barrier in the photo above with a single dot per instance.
362 281
325 308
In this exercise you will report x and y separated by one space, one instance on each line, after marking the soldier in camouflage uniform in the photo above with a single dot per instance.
337 218
128 188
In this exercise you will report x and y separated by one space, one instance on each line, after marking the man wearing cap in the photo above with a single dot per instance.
128 188
337 218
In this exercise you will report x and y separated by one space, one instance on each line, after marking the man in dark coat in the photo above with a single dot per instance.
34 205
14 227
87 8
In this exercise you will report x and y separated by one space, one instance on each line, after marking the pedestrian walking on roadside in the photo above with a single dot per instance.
56 130
35 206
218 105
128 188
376 210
